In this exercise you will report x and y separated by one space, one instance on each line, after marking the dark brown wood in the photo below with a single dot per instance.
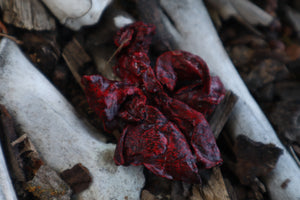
222 113
7 136
75 57
78 178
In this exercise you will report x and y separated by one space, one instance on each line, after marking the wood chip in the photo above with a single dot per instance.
75 57
222 113
48 185
78 178
8 135
28 14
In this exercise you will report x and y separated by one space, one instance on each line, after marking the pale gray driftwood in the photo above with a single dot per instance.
77 13
59 135
195 32
7 191
243 10
28 14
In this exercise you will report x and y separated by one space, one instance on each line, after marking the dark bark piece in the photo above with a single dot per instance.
75 57
29 14
31 159
254 159
222 112
47 184
78 178
8 135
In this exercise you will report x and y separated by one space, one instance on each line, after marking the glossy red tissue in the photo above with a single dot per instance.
161 110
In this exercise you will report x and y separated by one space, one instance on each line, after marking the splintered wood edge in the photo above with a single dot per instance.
31 15
222 113
75 57
215 189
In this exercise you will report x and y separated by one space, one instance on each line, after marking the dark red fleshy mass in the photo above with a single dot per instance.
164 109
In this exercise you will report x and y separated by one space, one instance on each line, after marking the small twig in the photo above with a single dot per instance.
118 49
75 58
294 155
19 140
11 37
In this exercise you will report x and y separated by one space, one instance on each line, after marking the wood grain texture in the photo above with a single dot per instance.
28 14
